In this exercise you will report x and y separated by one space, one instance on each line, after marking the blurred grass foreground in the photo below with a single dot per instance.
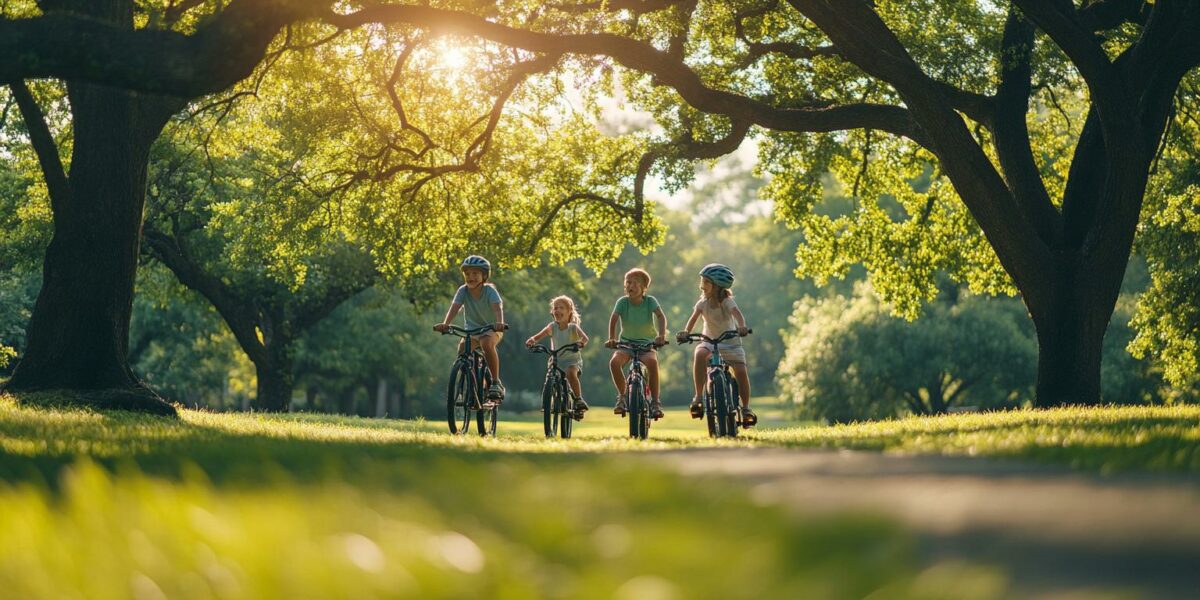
116 505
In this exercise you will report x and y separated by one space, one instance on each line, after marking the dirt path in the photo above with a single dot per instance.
1057 532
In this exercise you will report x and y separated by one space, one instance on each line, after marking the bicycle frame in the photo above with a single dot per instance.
637 381
723 417
470 361
557 414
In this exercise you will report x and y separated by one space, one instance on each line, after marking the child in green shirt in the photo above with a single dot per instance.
641 320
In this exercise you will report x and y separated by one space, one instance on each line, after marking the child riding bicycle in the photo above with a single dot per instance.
641 319
720 314
483 305
564 330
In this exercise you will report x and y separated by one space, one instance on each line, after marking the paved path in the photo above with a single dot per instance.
1057 532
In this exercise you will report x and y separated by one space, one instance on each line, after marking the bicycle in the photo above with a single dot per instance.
722 406
558 399
637 389
470 378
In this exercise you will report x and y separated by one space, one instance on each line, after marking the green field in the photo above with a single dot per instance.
115 505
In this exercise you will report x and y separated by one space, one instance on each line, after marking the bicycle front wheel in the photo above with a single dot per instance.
720 393
639 412
458 399
732 401
486 415
550 406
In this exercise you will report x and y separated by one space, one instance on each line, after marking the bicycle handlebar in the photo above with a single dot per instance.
539 349
638 347
464 332
696 337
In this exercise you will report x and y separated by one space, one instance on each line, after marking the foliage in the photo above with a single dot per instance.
1167 316
848 359
180 346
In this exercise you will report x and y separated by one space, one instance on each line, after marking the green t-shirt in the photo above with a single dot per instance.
637 321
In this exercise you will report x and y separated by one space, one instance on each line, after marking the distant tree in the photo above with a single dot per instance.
850 359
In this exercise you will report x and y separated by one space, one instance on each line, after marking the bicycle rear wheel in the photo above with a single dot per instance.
487 421
550 406
458 399
486 416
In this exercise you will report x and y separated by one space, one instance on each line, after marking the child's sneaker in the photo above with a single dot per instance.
696 408
496 392
656 411
580 408
749 419
620 409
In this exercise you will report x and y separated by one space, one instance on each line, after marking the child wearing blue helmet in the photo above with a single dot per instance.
720 314
483 305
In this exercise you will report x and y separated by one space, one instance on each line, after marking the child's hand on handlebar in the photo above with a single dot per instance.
441 327
498 327
743 331
610 343
530 342
682 337
660 340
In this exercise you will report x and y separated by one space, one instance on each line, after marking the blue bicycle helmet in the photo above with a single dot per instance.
477 262
719 274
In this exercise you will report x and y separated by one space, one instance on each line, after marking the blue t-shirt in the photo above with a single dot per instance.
478 311
637 320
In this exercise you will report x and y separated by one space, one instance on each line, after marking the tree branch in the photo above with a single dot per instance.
57 182
864 39
616 207
1011 131
242 320
667 70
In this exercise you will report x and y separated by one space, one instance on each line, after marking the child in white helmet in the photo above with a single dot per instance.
720 314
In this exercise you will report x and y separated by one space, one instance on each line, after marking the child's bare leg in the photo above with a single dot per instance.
650 359
615 366
488 343
699 368
743 378
573 381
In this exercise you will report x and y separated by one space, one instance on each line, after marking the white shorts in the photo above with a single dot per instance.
734 355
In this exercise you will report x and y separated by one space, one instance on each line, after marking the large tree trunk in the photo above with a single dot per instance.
78 336
275 378
1070 330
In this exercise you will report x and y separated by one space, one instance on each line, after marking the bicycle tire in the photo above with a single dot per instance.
566 410
710 407
458 415
720 391
637 410
549 422
731 402
487 422
486 417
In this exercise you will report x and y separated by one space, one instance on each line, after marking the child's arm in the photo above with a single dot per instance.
497 307
612 330
498 310
662 326
741 320
538 336
583 337
681 337
450 314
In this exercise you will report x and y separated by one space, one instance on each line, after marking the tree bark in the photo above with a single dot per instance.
78 336
275 377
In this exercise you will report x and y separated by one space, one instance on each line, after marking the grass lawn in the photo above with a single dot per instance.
115 505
